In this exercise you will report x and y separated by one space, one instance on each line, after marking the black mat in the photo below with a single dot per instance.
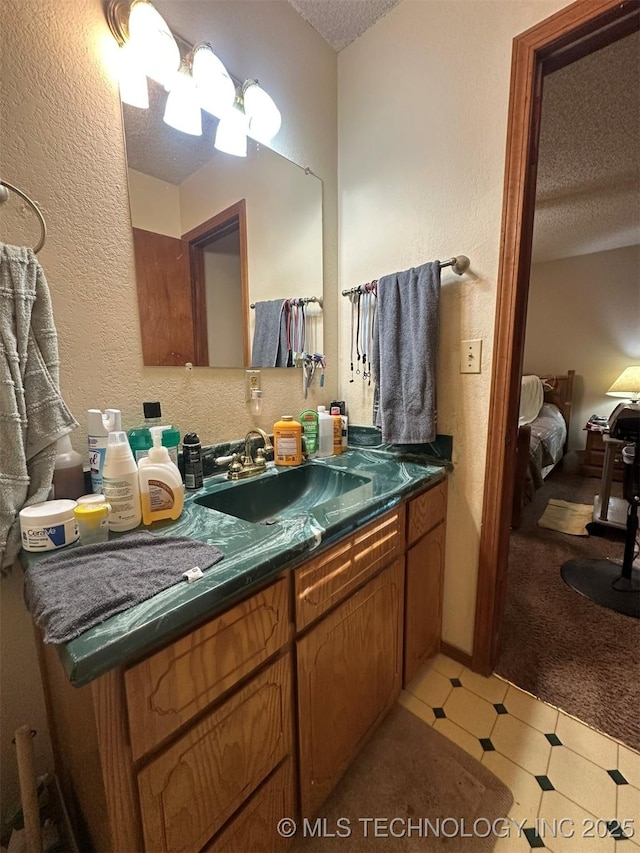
600 581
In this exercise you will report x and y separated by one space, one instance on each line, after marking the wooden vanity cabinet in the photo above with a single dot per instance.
193 747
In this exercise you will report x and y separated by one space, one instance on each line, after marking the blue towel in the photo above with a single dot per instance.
405 351
270 335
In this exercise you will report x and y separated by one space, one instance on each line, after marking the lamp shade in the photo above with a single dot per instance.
153 42
132 79
263 116
182 110
215 88
231 135
627 385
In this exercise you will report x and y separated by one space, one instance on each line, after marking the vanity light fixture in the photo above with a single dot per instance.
182 110
216 90
263 116
231 135
195 79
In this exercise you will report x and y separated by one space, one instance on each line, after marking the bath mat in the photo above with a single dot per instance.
566 517
406 775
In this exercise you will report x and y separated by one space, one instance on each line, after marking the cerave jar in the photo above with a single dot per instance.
49 525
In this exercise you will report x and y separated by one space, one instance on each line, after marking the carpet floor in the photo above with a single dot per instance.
557 644
410 772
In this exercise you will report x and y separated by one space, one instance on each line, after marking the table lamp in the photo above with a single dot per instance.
627 413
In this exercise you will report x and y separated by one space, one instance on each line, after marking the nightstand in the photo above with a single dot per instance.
594 457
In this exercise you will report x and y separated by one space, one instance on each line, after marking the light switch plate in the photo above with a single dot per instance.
471 356
251 383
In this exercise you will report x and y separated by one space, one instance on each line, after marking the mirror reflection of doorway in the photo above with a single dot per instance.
218 264
193 293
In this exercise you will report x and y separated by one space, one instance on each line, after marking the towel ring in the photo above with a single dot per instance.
43 225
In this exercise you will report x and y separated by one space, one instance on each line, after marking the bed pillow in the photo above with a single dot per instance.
531 399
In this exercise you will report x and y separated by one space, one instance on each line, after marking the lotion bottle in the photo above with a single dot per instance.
161 488
120 484
287 440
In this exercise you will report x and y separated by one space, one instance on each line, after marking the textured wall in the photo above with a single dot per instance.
61 142
423 98
583 315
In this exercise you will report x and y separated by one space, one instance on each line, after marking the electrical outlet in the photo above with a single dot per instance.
471 356
251 383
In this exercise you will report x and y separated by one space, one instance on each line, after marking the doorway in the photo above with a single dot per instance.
573 32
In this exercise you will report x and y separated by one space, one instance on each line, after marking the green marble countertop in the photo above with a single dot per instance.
252 554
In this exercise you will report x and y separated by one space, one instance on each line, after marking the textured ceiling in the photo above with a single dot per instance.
588 190
339 22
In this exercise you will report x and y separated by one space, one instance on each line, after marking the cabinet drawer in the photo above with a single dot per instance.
170 687
427 511
190 790
330 577
254 828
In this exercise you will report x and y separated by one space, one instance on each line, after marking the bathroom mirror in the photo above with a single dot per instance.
213 235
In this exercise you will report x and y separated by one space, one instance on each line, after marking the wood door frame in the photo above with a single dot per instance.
573 32
233 216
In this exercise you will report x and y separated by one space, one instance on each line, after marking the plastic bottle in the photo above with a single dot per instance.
140 437
337 434
171 440
287 440
338 407
120 484
161 488
325 433
309 422
68 476
192 457
99 425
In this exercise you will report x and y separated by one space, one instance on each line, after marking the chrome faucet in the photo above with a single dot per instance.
246 465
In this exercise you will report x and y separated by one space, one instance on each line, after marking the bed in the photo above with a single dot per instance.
545 415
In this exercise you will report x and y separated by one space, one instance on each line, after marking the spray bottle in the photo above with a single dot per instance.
99 425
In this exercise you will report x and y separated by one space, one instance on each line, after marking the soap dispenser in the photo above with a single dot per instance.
161 488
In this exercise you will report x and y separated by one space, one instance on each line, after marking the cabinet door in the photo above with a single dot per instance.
254 828
190 790
423 605
349 675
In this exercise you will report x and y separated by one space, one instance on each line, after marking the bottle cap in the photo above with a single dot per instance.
322 408
287 417
158 453
118 446
191 438
152 410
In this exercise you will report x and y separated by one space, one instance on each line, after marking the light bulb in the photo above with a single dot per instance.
182 110
263 116
154 44
231 135
216 90
132 79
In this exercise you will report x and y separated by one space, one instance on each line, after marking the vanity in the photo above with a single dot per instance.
200 718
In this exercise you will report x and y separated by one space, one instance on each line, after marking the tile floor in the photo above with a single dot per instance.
577 789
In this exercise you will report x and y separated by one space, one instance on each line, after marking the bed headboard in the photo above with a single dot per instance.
559 391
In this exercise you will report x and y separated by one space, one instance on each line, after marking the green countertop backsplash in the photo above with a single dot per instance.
252 553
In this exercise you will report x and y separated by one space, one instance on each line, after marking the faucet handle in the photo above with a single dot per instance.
236 464
261 460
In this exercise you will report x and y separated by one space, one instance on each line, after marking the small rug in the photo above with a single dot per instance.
566 517
424 791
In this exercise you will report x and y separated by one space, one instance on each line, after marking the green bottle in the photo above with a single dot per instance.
140 439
